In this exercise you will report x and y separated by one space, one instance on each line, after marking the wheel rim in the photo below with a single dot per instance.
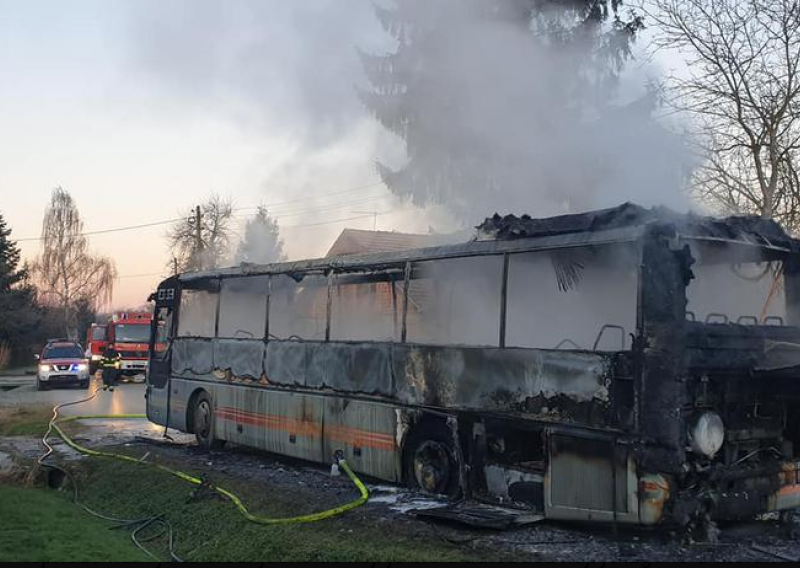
432 467
203 424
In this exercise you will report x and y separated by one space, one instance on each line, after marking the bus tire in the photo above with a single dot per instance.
430 461
203 423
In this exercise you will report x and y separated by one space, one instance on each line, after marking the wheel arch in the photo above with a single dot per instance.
190 407
422 422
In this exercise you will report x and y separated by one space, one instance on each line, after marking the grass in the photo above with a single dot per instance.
42 526
212 530
24 420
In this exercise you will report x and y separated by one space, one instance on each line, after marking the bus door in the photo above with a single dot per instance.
160 361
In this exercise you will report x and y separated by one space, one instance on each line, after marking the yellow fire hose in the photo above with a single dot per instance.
312 518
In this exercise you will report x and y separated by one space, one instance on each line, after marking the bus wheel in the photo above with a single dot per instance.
203 422
431 464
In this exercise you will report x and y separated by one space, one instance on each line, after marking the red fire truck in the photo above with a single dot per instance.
96 342
129 333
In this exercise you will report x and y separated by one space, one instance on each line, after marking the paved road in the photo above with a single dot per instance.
128 398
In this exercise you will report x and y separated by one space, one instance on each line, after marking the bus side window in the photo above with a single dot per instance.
298 308
198 314
367 308
456 302
243 308
568 299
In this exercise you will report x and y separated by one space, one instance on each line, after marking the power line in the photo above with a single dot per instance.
303 200
171 221
108 231
322 208
370 216
302 226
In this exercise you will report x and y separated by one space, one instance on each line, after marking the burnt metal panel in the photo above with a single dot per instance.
665 274
750 229
792 285
548 385
554 385
582 476
286 363
356 368
367 435
242 358
480 515
581 482
192 356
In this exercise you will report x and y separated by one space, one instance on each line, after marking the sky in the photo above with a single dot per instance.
142 108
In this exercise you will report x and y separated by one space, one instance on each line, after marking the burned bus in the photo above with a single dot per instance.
628 366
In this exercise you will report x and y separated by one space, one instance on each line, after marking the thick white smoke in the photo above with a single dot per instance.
292 70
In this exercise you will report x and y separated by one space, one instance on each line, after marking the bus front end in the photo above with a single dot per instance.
719 390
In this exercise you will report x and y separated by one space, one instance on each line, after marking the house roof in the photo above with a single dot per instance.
353 241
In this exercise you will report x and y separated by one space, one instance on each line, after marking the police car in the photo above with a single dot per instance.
62 363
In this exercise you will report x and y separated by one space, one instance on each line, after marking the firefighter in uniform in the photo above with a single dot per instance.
110 364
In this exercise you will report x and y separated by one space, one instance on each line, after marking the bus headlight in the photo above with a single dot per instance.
707 435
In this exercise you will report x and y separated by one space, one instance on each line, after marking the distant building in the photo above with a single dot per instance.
353 241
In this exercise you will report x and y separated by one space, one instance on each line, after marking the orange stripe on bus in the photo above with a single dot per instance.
307 429
231 412
789 490
355 437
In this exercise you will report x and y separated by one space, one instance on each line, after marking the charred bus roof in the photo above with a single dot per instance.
741 229
511 234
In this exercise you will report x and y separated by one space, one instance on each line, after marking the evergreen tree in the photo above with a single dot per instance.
262 242
18 314
483 92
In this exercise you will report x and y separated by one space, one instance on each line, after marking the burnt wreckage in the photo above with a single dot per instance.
628 365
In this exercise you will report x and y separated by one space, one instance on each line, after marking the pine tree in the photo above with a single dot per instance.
18 314
557 61
262 242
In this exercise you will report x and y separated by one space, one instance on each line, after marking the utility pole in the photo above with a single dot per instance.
198 227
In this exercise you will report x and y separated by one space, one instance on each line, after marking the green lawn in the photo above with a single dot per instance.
25 420
212 530
43 526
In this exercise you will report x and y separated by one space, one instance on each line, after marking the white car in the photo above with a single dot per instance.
62 364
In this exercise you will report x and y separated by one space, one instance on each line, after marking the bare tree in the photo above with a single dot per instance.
202 241
743 91
66 272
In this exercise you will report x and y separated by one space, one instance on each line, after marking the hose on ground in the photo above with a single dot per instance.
136 524
140 525
230 496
